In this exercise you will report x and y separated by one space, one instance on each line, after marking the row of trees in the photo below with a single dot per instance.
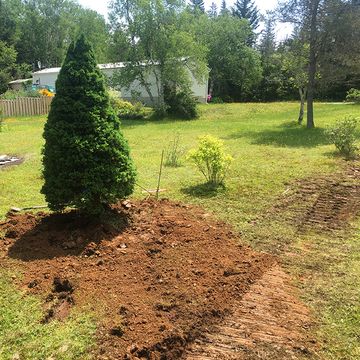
319 59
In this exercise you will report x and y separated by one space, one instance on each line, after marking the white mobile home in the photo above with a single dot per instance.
48 77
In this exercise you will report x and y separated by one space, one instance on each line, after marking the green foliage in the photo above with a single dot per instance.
14 94
344 136
86 158
211 159
7 64
23 336
125 109
353 95
163 44
216 100
246 9
174 152
181 104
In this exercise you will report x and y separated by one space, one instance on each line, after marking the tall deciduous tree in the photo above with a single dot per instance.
161 44
86 158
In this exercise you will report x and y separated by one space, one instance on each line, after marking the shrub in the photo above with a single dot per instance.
125 109
217 100
86 158
211 160
181 104
174 152
14 94
353 95
343 136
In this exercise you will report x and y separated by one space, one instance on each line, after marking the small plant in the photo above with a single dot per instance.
343 135
211 159
353 95
174 152
217 100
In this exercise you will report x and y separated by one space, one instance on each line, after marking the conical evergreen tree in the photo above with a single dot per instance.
213 11
246 9
197 6
223 10
86 158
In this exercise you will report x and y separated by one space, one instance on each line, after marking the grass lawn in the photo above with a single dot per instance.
270 151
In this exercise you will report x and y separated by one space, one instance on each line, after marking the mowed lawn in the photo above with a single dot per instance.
270 151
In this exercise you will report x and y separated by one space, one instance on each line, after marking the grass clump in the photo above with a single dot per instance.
174 152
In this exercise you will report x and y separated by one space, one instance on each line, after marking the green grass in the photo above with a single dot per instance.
270 151
23 336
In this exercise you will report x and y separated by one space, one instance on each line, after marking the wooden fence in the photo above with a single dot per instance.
25 106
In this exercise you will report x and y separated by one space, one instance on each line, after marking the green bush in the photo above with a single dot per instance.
217 100
211 159
14 94
353 95
344 135
181 104
86 158
125 109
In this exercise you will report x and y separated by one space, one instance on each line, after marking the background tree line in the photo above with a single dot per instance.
320 59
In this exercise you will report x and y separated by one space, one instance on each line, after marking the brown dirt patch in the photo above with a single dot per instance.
159 274
269 322
323 203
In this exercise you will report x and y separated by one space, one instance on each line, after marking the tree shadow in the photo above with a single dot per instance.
204 190
288 134
61 235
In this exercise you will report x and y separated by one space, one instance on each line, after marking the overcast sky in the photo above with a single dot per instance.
263 5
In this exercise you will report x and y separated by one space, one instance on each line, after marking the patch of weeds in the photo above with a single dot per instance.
174 152
23 336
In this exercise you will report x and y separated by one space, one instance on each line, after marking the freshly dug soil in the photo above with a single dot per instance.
157 273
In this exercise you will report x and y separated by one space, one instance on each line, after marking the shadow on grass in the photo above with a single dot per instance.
288 134
205 190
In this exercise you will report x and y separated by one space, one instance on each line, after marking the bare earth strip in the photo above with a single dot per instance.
269 315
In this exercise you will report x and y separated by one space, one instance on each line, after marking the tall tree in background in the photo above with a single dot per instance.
306 14
86 158
235 67
224 10
246 9
161 44
197 6
213 11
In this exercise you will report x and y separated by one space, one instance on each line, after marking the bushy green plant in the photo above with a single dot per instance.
14 94
217 100
174 152
211 159
125 109
353 95
181 104
86 158
344 136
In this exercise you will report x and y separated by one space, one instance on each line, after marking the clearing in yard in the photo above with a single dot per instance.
168 280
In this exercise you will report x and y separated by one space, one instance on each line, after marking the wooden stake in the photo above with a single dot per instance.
161 164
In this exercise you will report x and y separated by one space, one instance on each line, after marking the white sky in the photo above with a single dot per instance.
282 29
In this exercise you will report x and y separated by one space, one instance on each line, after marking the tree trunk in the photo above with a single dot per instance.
314 8
302 92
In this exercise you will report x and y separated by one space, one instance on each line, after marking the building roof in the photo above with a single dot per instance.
55 70
19 81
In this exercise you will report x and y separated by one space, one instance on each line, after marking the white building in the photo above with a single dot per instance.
48 77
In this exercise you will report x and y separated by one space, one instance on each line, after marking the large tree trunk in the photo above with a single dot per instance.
314 8
302 92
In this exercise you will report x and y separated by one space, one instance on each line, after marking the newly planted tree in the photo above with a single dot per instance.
86 158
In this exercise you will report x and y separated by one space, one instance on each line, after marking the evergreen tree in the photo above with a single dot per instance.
213 12
223 10
86 158
197 6
246 9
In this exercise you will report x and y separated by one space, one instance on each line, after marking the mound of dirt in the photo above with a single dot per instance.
159 274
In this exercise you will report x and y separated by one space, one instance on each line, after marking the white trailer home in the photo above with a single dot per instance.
48 77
